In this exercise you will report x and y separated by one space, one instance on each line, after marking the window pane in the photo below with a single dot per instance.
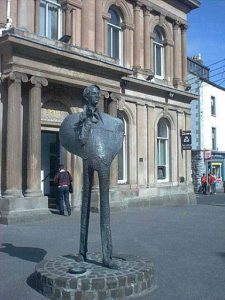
162 129
115 19
161 172
121 164
115 43
158 60
162 152
109 40
42 24
158 36
53 22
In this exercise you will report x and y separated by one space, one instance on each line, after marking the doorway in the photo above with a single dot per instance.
50 160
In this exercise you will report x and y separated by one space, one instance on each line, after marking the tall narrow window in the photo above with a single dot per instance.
214 138
213 106
50 19
158 53
115 35
163 150
122 157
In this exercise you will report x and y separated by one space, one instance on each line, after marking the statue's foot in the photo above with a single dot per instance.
81 257
110 264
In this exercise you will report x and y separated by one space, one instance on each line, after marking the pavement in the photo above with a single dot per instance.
186 245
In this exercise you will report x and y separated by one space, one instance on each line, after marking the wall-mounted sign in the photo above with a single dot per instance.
207 154
186 140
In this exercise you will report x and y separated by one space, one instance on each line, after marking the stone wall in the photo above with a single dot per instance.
198 167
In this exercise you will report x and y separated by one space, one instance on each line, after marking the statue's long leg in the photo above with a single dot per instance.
103 174
85 208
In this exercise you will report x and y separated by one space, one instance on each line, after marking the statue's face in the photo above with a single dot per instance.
93 96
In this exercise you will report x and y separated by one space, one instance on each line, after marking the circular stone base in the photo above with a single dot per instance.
133 278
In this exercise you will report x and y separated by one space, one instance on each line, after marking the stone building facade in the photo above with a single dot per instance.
135 51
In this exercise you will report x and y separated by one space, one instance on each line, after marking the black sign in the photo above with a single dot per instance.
186 140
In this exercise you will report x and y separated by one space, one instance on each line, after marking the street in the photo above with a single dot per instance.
186 245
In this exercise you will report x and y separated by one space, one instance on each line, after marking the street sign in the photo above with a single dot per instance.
186 140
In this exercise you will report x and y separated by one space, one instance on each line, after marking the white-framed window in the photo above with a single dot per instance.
50 22
122 156
158 53
214 147
213 106
115 35
163 150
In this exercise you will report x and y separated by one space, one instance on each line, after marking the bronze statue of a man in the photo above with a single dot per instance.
97 138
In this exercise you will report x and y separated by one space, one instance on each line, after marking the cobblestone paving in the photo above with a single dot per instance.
133 277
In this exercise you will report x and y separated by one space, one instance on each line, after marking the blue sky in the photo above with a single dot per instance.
206 35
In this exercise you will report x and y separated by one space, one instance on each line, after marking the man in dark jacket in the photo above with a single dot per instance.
63 180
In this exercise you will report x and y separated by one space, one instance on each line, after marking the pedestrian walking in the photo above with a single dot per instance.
63 180
204 183
212 183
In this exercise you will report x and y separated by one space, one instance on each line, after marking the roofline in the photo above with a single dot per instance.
192 4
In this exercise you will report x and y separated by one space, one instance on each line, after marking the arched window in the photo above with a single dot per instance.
115 35
122 156
158 52
163 150
50 19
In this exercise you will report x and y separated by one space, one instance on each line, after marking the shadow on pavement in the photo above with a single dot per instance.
25 253
31 281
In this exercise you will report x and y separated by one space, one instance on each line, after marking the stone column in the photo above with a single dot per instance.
151 144
147 44
22 13
152 37
73 26
106 19
99 47
142 144
34 138
184 53
68 9
3 15
137 29
85 24
14 136
114 165
36 21
177 54
168 68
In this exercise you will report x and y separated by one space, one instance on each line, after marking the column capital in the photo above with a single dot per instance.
38 81
104 95
115 96
162 18
137 6
147 10
184 27
176 24
15 76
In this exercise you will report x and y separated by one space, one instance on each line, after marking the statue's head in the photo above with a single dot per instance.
91 94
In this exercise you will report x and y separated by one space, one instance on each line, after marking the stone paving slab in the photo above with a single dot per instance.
134 277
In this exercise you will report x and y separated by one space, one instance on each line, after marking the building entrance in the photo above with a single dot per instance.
50 160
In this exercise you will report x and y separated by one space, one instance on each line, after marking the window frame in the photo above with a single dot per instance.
167 152
59 19
214 144
162 54
112 27
213 106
